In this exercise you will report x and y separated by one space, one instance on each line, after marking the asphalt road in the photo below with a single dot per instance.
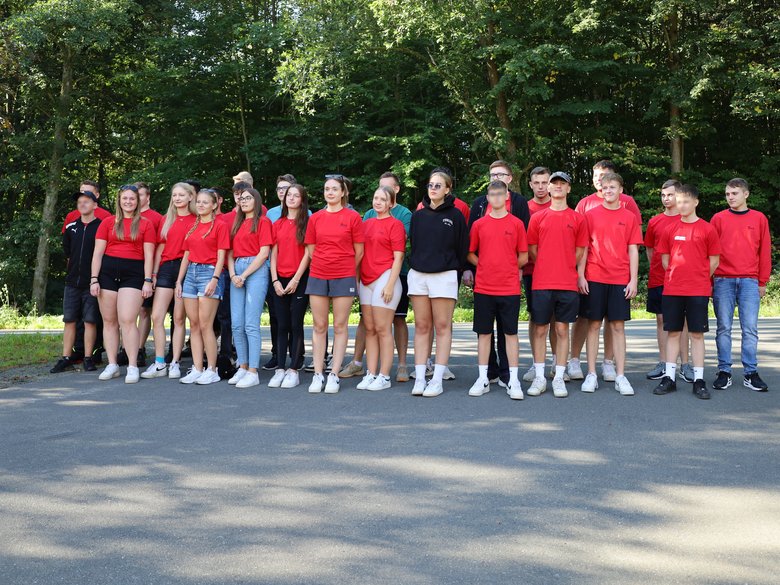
161 483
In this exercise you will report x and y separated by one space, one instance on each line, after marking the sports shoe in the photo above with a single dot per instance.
515 390
110 371
686 373
480 387
121 357
309 367
608 371
590 384
250 379
276 379
448 375
530 374
191 377
131 377
328 363
365 382
317 382
380 383
351 370
402 373
574 369
210 376
754 382
291 379
141 361
723 381
666 386
271 364
174 371
623 386
64 364
537 387
432 388
89 364
155 371
333 384
700 390
419 388
657 372
559 388
240 373
428 371
500 382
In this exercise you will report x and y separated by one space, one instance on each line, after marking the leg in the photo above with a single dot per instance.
162 299
484 343
749 301
561 342
512 346
196 339
256 293
69 338
298 308
619 344
609 348
341 310
660 336
673 343
90 332
539 344
128 304
361 342
207 310
383 325
401 335
282 311
178 329
319 337
697 349
238 302
225 326
370 340
724 298
684 355
273 319
592 347
423 322
441 310
579 334
501 350
144 325
107 301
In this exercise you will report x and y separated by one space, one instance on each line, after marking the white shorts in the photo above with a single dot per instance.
371 294
434 284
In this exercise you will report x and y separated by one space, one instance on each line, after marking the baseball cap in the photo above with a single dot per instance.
560 175
89 194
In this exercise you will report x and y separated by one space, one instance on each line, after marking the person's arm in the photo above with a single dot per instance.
649 254
296 279
473 259
148 289
532 251
633 261
665 261
764 259
714 261
275 284
212 285
582 282
358 246
185 262
522 259
97 262
398 261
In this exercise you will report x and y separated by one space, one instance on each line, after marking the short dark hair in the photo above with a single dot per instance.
607 165
689 190
607 177
671 183
497 186
738 183
539 171
92 184
241 186
288 177
195 184
391 175
500 163
142 185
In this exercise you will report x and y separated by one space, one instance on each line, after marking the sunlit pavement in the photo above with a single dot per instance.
158 482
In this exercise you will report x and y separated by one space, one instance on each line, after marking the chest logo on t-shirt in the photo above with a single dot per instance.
447 221
680 238
508 233
570 226
343 225
621 223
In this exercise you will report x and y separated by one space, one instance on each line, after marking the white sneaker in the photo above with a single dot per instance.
559 388
132 375
515 390
566 376
530 374
240 373
174 371
333 384
366 381
317 382
608 371
537 387
480 387
380 383
191 376
590 384
418 388
155 370
111 371
623 386
448 375
291 379
428 370
276 380
574 369
432 388
209 376
250 379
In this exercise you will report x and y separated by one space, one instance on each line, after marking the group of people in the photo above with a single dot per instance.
574 266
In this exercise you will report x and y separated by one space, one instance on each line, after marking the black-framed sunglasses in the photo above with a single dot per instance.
128 188
435 185
337 177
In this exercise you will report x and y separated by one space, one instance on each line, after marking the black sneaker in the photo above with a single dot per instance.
141 358
97 356
666 386
754 382
186 352
121 357
89 364
700 390
271 364
76 356
64 364
723 381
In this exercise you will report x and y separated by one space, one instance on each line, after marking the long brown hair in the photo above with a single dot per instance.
302 219
119 224
240 215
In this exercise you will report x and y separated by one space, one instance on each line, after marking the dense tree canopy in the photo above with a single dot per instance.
157 90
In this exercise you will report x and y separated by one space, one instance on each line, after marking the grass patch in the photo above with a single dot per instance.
28 349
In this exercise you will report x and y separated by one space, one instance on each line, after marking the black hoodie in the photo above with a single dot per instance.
440 238
78 242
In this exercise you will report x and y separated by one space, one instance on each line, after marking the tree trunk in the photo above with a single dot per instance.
676 146
61 123
502 109
675 114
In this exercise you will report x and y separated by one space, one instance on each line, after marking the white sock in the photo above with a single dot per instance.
539 369
438 373
698 373
671 369
513 374
559 370
357 363
419 371
483 372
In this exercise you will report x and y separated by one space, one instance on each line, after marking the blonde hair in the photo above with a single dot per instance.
172 213
213 194
389 192
119 224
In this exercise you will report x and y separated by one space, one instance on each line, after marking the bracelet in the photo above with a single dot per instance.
215 277
154 274
93 276
274 281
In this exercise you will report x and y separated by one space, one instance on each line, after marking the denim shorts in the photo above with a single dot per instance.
198 276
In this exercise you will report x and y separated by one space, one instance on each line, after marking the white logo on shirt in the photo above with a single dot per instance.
447 221
680 238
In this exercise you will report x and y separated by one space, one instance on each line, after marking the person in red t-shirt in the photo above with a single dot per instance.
201 283
380 287
740 281
608 274
289 277
499 249
690 252
334 238
122 278
100 212
175 225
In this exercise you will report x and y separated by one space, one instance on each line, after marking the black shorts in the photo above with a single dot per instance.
528 280
403 305
654 296
489 308
79 305
168 274
116 273
605 300
563 305
678 310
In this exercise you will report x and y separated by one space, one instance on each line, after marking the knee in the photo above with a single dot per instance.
443 327
617 326
320 327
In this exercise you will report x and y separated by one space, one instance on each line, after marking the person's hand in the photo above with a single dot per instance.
237 280
761 292
94 289
147 290
154 282
178 290
582 285
291 287
631 290
210 287
279 289
468 278
387 293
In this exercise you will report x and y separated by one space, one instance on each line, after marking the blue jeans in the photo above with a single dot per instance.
742 293
246 306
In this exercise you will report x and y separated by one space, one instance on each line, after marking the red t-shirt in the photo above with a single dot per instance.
610 233
289 252
497 243
333 236
594 200
533 207
246 243
689 246
72 216
745 243
127 248
655 230
156 219
557 235
204 250
464 208
230 217
383 237
174 239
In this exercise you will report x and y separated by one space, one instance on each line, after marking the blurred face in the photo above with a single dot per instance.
128 201
558 189
597 174
180 198
333 192
736 197
390 182
247 202
437 188
668 199
381 203
497 198
293 199
281 188
501 174
686 204
85 205
538 184
205 205
84 187
143 198
611 191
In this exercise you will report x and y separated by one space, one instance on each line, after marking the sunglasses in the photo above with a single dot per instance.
128 188
337 177
435 186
